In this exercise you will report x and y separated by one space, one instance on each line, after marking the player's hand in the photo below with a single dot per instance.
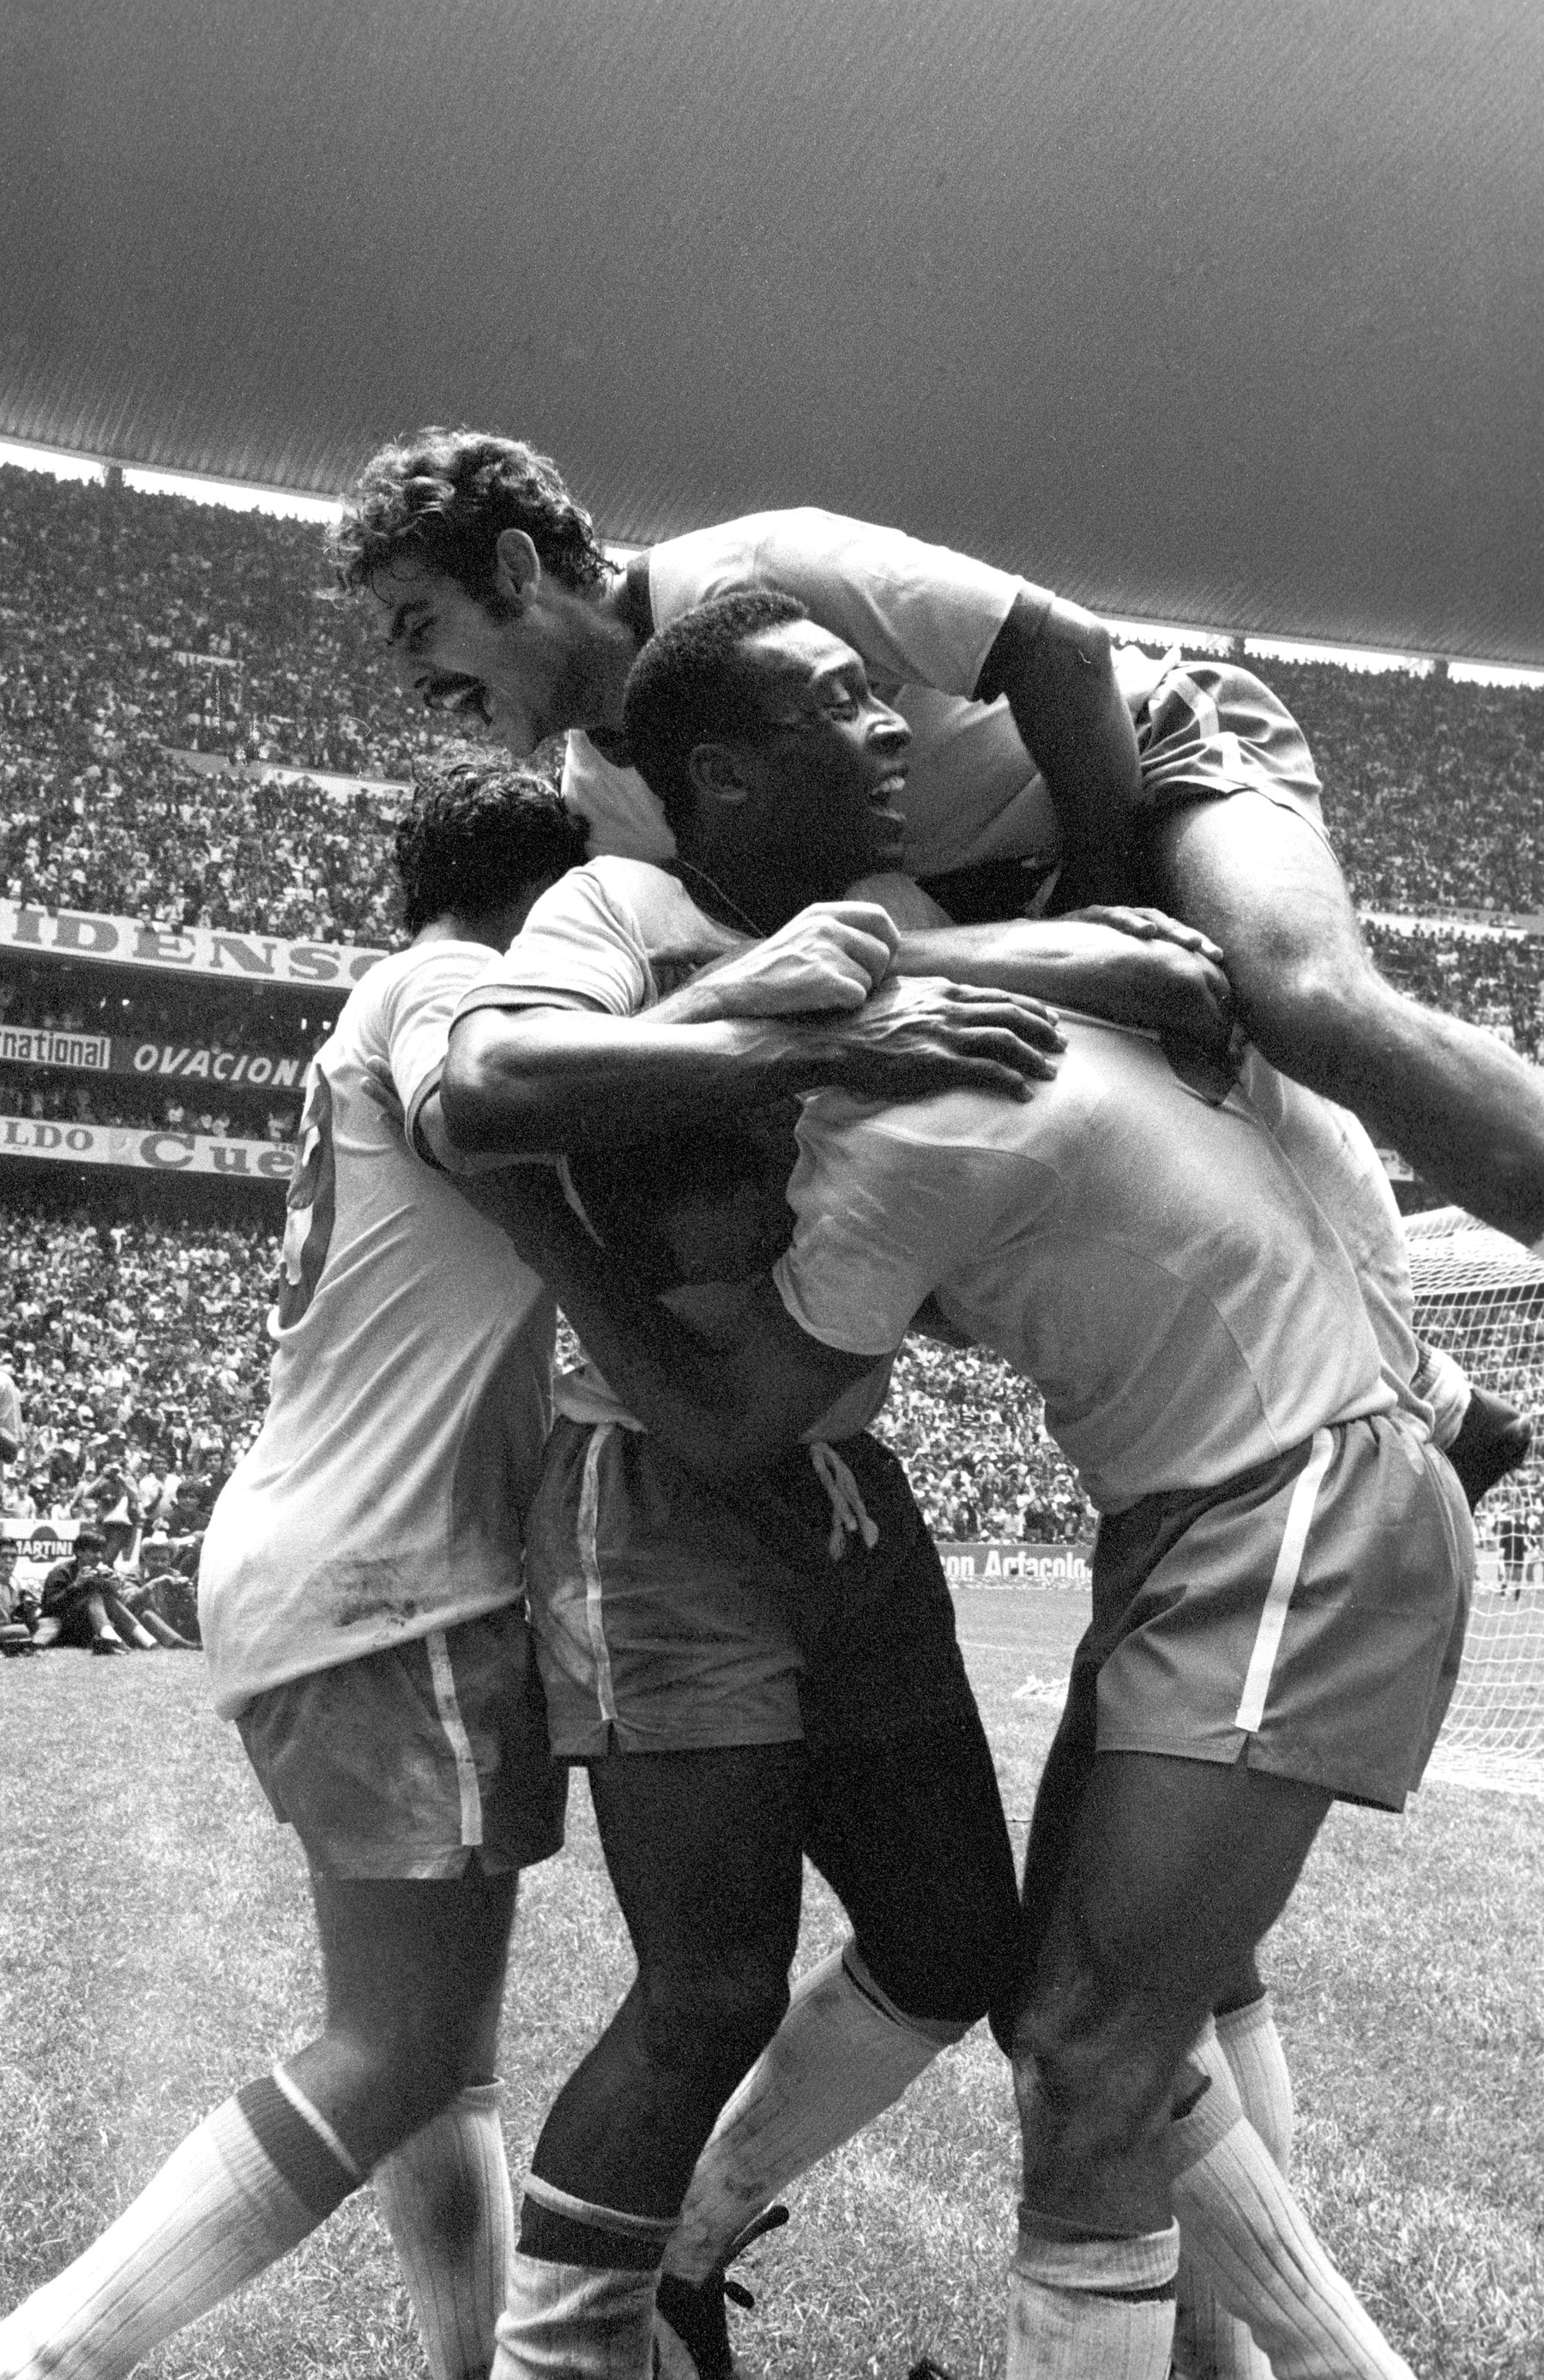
832 955
1150 926
1168 981
918 1035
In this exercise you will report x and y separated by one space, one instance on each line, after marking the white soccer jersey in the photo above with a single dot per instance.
924 620
411 1387
1161 1268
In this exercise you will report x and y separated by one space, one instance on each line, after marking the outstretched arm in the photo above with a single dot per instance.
1057 671
724 1412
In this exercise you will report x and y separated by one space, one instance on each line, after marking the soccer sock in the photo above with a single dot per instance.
259 2174
1209 2342
1249 2041
1091 2308
581 2291
1251 2238
843 2054
445 2197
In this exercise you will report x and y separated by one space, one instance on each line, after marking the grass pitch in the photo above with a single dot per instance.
155 1951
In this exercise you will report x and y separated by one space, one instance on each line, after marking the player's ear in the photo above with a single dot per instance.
517 565
715 772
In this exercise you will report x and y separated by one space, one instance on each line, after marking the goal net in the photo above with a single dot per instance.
1480 1296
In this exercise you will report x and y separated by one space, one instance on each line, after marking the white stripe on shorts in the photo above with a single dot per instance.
1289 1562
455 1735
589 1562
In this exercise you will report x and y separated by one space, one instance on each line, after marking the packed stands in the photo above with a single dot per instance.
1433 787
153 1329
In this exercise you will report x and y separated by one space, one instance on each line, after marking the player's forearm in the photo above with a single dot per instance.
1058 674
706 1407
542 1080
1155 985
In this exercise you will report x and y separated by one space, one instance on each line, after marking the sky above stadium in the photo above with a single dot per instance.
1224 316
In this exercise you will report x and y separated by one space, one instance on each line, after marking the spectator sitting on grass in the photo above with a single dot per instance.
80 1597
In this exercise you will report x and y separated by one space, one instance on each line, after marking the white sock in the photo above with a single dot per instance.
247 2186
1072 2314
445 2199
1253 2241
843 2054
576 2321
1209 2342
1249 2041
582 2322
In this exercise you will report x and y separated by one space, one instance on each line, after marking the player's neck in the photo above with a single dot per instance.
496 927
618 627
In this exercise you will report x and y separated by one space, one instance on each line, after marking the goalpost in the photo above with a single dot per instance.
1480 1296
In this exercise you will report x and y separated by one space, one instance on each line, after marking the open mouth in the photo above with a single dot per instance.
453 691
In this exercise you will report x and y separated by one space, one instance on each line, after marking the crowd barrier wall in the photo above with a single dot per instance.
104 940
38 1544
1010 1564
154 1151
102 1053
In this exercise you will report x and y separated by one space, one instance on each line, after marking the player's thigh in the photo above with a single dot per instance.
908 1830
703 1851
1177 1868
415 1971
1264 885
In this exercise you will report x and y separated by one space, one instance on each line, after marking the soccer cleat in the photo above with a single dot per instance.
926 2369
1493 1439
691 2329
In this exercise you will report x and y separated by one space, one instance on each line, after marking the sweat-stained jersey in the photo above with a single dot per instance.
410 1382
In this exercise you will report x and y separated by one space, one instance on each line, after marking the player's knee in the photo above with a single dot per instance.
1310 1010
397 2064
712 2024
1086 2077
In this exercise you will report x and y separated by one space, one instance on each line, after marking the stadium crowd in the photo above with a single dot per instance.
1433 787
146 1331
1494 980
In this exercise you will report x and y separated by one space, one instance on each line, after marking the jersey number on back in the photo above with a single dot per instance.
312 1205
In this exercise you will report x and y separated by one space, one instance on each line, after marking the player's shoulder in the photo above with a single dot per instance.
634 894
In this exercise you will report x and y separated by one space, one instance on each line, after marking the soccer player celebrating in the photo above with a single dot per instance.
1192 784
362 1612
1211 1294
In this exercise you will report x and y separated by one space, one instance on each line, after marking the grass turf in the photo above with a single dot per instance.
155 1951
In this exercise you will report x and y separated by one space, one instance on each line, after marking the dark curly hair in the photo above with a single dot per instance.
479 835
444 497
692 684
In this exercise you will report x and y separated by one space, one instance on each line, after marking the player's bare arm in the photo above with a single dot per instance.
1466 1112
1133 967
528 1081
1056 670
725 1412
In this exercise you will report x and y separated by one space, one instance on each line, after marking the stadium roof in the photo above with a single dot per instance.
1232 315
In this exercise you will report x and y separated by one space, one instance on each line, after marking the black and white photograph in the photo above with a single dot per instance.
771 1150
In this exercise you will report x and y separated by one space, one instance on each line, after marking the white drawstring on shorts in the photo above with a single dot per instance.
849 1515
